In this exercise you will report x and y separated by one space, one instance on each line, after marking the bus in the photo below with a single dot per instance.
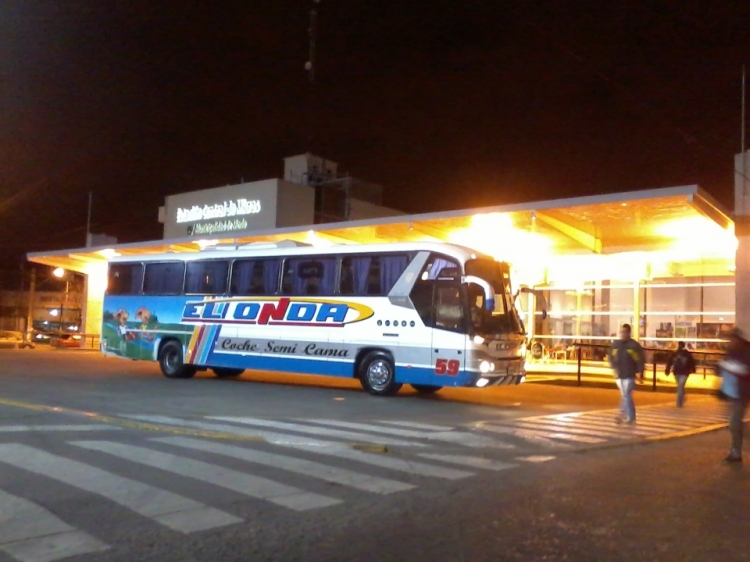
430 315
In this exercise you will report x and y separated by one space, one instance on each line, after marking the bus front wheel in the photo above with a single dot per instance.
227 372
377 373
172 363
426 388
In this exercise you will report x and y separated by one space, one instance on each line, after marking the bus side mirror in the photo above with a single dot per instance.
541 301
489 292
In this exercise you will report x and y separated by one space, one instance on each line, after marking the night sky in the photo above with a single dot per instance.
446 103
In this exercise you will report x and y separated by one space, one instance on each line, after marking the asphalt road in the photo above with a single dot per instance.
105 460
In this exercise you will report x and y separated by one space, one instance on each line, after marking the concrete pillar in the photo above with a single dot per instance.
742 230
96 284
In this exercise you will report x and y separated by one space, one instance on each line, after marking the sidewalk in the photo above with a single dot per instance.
601 377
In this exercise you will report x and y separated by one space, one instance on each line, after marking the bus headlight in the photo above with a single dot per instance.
482 382
479 340
486 367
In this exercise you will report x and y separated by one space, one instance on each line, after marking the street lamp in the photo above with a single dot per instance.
60 273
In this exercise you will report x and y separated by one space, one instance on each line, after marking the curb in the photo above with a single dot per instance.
647 440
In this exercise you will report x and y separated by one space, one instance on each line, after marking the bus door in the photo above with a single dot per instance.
449 332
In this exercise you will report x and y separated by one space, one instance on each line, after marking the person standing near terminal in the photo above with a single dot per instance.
682 365
626 359
736 370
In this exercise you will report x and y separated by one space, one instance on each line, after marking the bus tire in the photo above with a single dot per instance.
227 372
377 373
172 363
425 388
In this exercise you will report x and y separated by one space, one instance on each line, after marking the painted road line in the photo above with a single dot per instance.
674 417
539 438
311 469
651 425
30 533
457 437
536 458
42 428
645 428
339 450
473 462
603 423
174 511
246 484
422 426
552 427
318 431
576 438
573 427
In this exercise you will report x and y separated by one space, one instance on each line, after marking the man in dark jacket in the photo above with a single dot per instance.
736 363
682 365
627 360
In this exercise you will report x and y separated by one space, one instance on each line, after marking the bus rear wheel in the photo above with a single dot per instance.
426 388
227 372
377 373
172 363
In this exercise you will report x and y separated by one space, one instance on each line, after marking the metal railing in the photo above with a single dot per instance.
704 359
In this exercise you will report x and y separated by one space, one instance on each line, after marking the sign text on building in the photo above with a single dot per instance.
227 209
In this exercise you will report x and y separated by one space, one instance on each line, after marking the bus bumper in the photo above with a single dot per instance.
513 374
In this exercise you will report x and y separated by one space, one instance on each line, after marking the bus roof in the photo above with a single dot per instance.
284 249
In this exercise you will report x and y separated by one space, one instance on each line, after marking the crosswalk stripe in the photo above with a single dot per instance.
645 424
696 419
609 421
473 462
30 533
558 427
458 437
577 425
603 425
663 424
174 511
320 431
41 428
246 484
578 438
316 446
311 469
424 426
539 438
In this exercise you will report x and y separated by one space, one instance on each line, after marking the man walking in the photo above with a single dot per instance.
736 365
626 359
682 365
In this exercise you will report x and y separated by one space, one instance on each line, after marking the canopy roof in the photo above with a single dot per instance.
649 220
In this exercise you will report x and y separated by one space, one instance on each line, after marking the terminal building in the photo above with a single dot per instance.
664 260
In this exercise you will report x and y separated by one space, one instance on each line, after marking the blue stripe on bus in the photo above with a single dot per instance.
415 375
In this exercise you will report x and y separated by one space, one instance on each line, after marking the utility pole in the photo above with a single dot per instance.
30 315
88 220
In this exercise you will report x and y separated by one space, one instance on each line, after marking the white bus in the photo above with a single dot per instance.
425 314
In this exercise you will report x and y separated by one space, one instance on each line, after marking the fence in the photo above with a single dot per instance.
705 360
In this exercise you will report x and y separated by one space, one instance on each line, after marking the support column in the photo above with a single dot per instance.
742 230
636 333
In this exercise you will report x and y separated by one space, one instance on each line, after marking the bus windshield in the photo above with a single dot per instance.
504 319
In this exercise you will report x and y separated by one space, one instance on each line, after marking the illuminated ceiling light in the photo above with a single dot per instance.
108 253
316 240
54 312
59 272
203 244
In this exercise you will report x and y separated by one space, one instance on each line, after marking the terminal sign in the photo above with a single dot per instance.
227 209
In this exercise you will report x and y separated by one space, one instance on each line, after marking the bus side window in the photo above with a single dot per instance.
255 277
310 276
355 275
206 277
449 314
125 279
421 298
441 268
164 278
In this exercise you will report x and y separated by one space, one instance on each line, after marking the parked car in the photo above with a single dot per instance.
66 340
42 337
15 340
